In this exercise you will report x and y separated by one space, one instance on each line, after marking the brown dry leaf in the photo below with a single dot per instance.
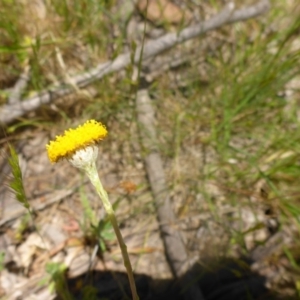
71 226
9 281
75 242
28 249
128 186
77 260
160 11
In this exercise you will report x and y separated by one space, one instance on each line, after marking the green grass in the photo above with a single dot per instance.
231 127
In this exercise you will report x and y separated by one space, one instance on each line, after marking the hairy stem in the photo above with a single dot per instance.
94 177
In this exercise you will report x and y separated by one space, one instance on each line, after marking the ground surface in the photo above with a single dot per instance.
230 158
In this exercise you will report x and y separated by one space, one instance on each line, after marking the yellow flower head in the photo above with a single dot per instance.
72 140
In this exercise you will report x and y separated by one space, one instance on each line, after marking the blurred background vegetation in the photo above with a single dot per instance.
227 119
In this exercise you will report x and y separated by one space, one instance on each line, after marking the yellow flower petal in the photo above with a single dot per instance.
72 140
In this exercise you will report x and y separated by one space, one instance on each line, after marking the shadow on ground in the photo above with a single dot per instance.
228 280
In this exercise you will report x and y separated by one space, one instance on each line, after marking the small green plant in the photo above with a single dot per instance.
89 293
17 186
2 258
17 180
23 227
95 231
105 233
89 216
100 234
58 283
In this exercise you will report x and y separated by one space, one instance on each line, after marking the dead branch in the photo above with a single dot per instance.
20 86
10 112
37 205
174 246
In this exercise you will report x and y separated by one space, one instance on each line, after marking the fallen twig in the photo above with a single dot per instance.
19 88
9 112
174 246
37 205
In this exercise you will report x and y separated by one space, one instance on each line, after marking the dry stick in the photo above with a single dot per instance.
174 246
37 204
9 113
273 244
20 86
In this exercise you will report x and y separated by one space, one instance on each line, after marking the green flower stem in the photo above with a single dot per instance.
92 173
